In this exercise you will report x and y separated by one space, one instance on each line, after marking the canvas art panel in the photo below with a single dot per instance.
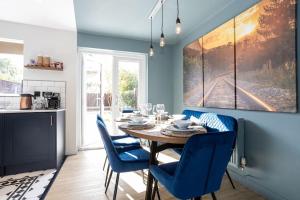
193 74
248 63
219 66
265 57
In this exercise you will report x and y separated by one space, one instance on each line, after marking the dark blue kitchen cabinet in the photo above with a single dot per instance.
33 141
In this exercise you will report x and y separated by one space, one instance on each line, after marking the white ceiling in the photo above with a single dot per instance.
58 14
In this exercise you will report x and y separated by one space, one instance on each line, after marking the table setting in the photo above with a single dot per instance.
168 125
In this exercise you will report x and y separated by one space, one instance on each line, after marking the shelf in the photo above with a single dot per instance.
42 68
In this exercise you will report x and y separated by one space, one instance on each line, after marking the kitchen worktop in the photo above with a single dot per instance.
29 111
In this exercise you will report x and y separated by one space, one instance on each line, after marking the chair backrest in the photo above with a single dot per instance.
202 164
101 119
213 121
114 160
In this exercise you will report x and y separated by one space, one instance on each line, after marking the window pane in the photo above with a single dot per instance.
11 73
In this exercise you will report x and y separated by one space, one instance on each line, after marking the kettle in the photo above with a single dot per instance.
26 101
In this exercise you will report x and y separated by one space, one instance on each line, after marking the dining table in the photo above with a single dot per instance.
158 143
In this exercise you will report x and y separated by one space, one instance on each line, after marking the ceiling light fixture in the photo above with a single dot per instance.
178 23
151 50
162 42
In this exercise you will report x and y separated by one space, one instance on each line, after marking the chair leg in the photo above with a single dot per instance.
107 172
116 186
233 186
108 181
104 163
197 198
157 190
213 196
153 191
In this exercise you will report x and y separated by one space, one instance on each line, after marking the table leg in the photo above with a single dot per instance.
152 160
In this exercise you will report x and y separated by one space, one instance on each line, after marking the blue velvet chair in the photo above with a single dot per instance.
123 160
214 123
122 140
200 169
121 143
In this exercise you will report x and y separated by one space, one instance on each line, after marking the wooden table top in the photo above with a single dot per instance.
153 134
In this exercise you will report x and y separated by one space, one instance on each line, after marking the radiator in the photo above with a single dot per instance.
239 151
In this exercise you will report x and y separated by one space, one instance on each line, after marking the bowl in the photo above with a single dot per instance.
137 119
182 124
178 116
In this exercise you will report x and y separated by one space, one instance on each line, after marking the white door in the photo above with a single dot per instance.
111 81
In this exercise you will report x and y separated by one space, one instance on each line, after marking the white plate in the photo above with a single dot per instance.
189 129
178 116
132 123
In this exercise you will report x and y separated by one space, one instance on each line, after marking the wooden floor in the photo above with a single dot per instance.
82 178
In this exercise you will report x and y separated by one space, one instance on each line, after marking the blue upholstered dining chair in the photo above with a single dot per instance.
214 123
200 169
122 160
121 141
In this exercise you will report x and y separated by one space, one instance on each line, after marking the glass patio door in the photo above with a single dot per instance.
129 84
111 82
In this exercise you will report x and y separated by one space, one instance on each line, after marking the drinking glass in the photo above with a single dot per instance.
148 108
154 111
160 109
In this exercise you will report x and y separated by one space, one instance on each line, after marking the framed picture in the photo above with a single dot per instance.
219 69
266 57
193 74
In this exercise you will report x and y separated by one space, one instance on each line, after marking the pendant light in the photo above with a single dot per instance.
178 23
151 50
162 41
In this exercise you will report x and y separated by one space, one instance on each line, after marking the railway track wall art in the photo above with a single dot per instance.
247 63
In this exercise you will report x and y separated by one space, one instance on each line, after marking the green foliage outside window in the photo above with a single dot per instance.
128 88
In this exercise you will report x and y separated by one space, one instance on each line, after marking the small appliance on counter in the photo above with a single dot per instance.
25 101
53 100
39 102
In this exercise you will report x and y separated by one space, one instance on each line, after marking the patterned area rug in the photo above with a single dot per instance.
25 186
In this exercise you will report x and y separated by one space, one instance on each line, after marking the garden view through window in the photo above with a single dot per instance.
11 67
111 82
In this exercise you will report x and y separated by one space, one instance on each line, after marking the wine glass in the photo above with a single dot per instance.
148 107
154 111
160 109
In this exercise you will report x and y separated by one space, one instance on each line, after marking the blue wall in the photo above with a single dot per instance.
272 139
160 88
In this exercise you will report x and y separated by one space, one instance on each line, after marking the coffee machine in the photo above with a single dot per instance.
53 100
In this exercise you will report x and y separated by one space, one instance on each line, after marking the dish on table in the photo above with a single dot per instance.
137 123
178 116
188 129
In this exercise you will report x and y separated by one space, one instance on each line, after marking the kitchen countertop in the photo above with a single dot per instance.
29 111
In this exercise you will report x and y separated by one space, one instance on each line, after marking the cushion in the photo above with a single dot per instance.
136 155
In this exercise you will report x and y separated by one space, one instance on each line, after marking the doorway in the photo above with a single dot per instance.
111 81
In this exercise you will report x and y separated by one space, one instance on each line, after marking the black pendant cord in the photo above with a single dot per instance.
151 31
162 17
177 9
